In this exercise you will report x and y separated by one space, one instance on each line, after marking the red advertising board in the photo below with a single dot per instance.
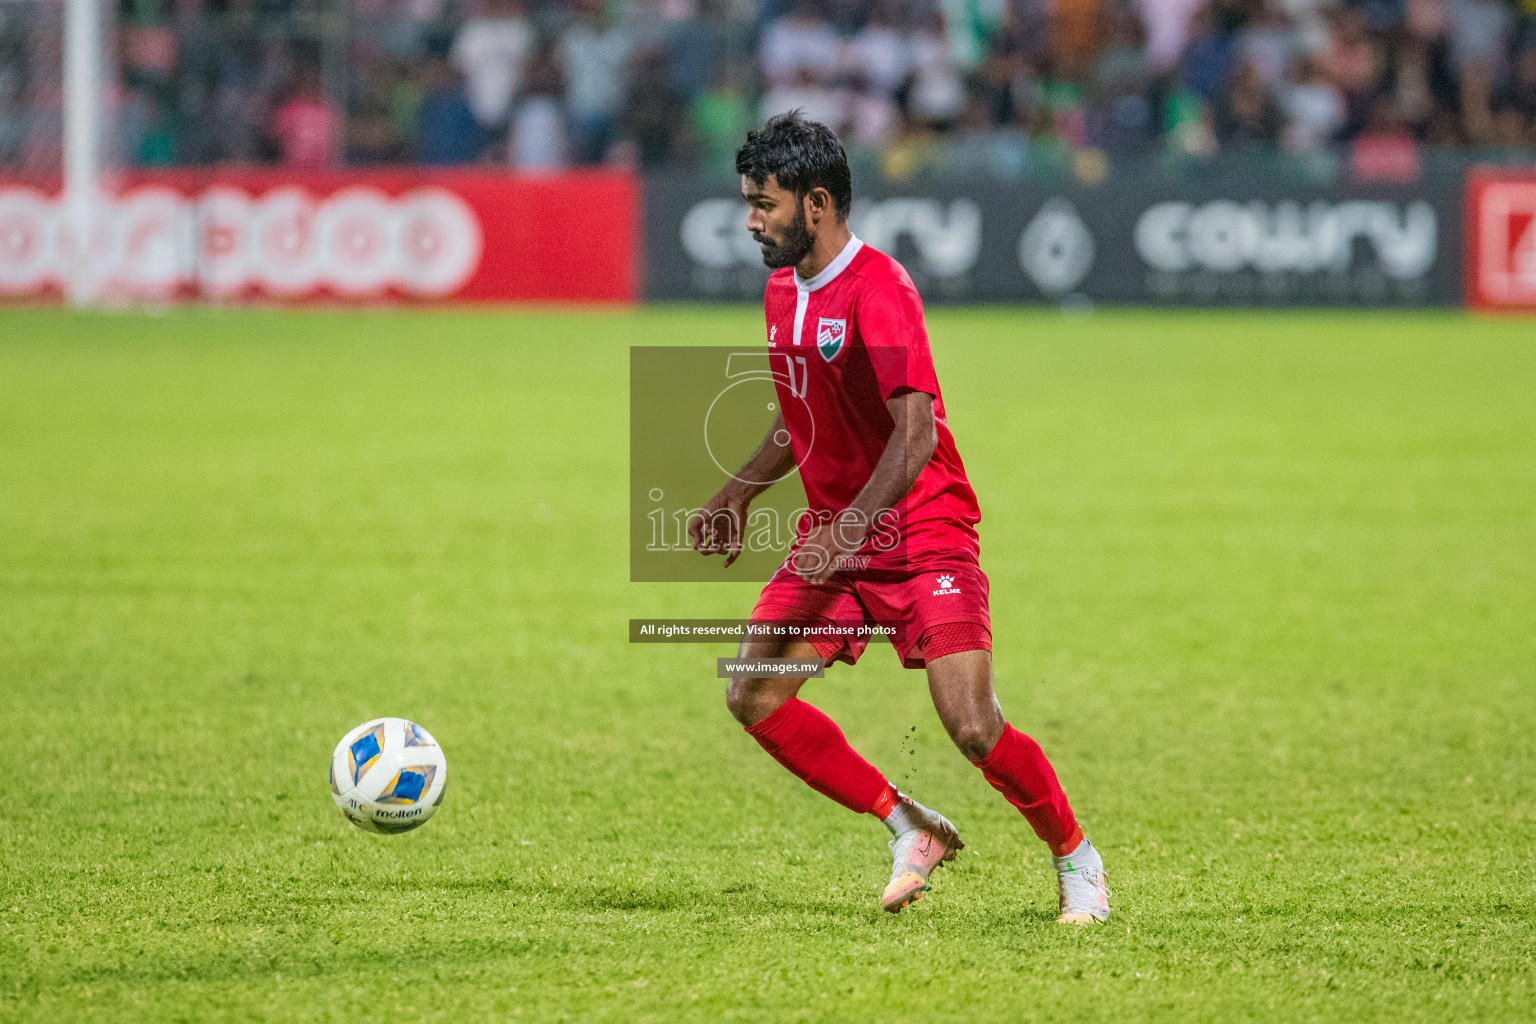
409 236
1501 240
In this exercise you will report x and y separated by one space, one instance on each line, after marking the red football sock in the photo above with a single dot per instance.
811 746
1017 768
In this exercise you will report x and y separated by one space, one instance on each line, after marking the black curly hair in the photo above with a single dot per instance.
802 155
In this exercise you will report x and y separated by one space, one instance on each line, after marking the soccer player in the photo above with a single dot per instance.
893 531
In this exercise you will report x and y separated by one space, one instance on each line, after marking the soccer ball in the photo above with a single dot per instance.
388 775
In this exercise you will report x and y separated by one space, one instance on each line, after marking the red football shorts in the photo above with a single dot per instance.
954 597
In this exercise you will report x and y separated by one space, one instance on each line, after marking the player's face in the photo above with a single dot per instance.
777 222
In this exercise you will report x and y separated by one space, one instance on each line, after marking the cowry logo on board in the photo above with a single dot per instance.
830 335
946 584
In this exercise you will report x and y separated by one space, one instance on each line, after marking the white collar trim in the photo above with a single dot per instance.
831 270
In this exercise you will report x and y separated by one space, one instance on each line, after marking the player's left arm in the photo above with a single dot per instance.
911 444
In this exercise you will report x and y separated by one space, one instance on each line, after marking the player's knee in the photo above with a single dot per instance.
737 698
750 700
976 737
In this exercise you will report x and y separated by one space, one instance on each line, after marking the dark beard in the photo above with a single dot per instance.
796 245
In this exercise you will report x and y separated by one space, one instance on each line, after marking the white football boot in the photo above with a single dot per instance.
923 840
1080 880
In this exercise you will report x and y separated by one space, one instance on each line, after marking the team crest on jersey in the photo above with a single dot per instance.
830 335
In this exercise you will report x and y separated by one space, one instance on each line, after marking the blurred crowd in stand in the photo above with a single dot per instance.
1021 86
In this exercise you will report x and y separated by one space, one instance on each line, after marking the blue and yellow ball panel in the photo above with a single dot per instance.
416 736
364 751
408 785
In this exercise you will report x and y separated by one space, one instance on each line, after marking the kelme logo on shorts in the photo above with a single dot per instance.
946 584
830 335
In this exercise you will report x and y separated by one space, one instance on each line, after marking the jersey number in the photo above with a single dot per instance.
797 388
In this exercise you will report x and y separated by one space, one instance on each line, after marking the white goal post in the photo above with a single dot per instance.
84 82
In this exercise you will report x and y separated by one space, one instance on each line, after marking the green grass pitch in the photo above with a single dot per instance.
1262 586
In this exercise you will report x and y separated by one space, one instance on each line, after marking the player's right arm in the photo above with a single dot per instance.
717 528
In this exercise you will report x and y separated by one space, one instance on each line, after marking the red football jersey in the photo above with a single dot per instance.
842 344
